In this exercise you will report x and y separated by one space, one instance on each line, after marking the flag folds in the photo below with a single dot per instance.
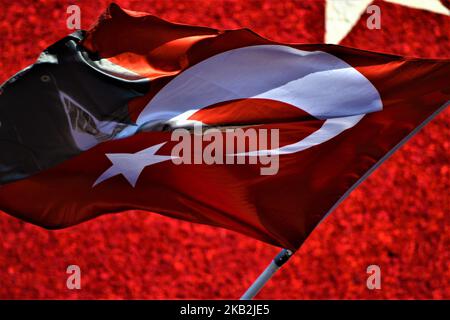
89 128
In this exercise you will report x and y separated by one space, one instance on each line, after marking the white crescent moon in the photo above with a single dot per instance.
317 82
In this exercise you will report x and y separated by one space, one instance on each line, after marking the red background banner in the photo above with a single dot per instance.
397 219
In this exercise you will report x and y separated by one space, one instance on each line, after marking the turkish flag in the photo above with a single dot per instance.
340 112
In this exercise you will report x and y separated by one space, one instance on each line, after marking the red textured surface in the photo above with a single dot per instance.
397 219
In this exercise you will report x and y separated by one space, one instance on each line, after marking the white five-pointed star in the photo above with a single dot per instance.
130 165
342 15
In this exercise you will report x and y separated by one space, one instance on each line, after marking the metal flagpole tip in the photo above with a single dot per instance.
282 257
273 267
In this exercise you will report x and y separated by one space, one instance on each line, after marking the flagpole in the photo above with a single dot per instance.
273 267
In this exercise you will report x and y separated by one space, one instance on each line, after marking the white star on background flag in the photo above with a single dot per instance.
342 15
131 165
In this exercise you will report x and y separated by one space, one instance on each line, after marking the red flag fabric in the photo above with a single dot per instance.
340 112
